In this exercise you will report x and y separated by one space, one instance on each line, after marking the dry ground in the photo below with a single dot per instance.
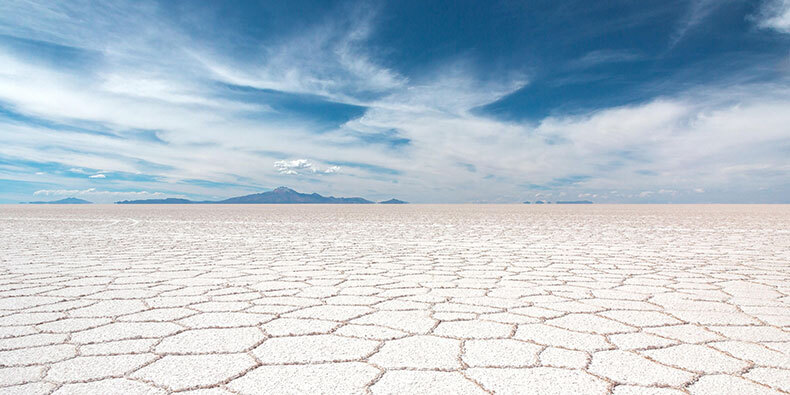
382 299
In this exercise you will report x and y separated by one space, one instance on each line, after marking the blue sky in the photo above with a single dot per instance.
427 101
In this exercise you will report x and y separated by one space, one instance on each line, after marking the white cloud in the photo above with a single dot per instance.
775 14
293 166
97 176
302 166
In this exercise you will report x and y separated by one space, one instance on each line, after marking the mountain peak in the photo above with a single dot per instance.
282 190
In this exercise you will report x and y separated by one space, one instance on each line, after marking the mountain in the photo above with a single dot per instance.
393 201
281 195
71 200
158 201
574 202
289 196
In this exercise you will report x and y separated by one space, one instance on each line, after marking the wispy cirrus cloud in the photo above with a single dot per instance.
597 57
697 11
337 65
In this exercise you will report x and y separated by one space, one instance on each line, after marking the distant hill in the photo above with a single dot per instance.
70 200
393 201
281 195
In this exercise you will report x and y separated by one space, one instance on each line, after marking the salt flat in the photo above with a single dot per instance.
395 299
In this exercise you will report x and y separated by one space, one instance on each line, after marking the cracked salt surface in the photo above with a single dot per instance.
394 299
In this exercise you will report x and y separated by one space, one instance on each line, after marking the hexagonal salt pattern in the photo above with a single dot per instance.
384 300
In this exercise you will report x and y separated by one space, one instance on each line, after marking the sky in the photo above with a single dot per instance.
668 101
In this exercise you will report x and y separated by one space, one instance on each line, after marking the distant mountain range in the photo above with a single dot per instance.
71 200
393 201
281 195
